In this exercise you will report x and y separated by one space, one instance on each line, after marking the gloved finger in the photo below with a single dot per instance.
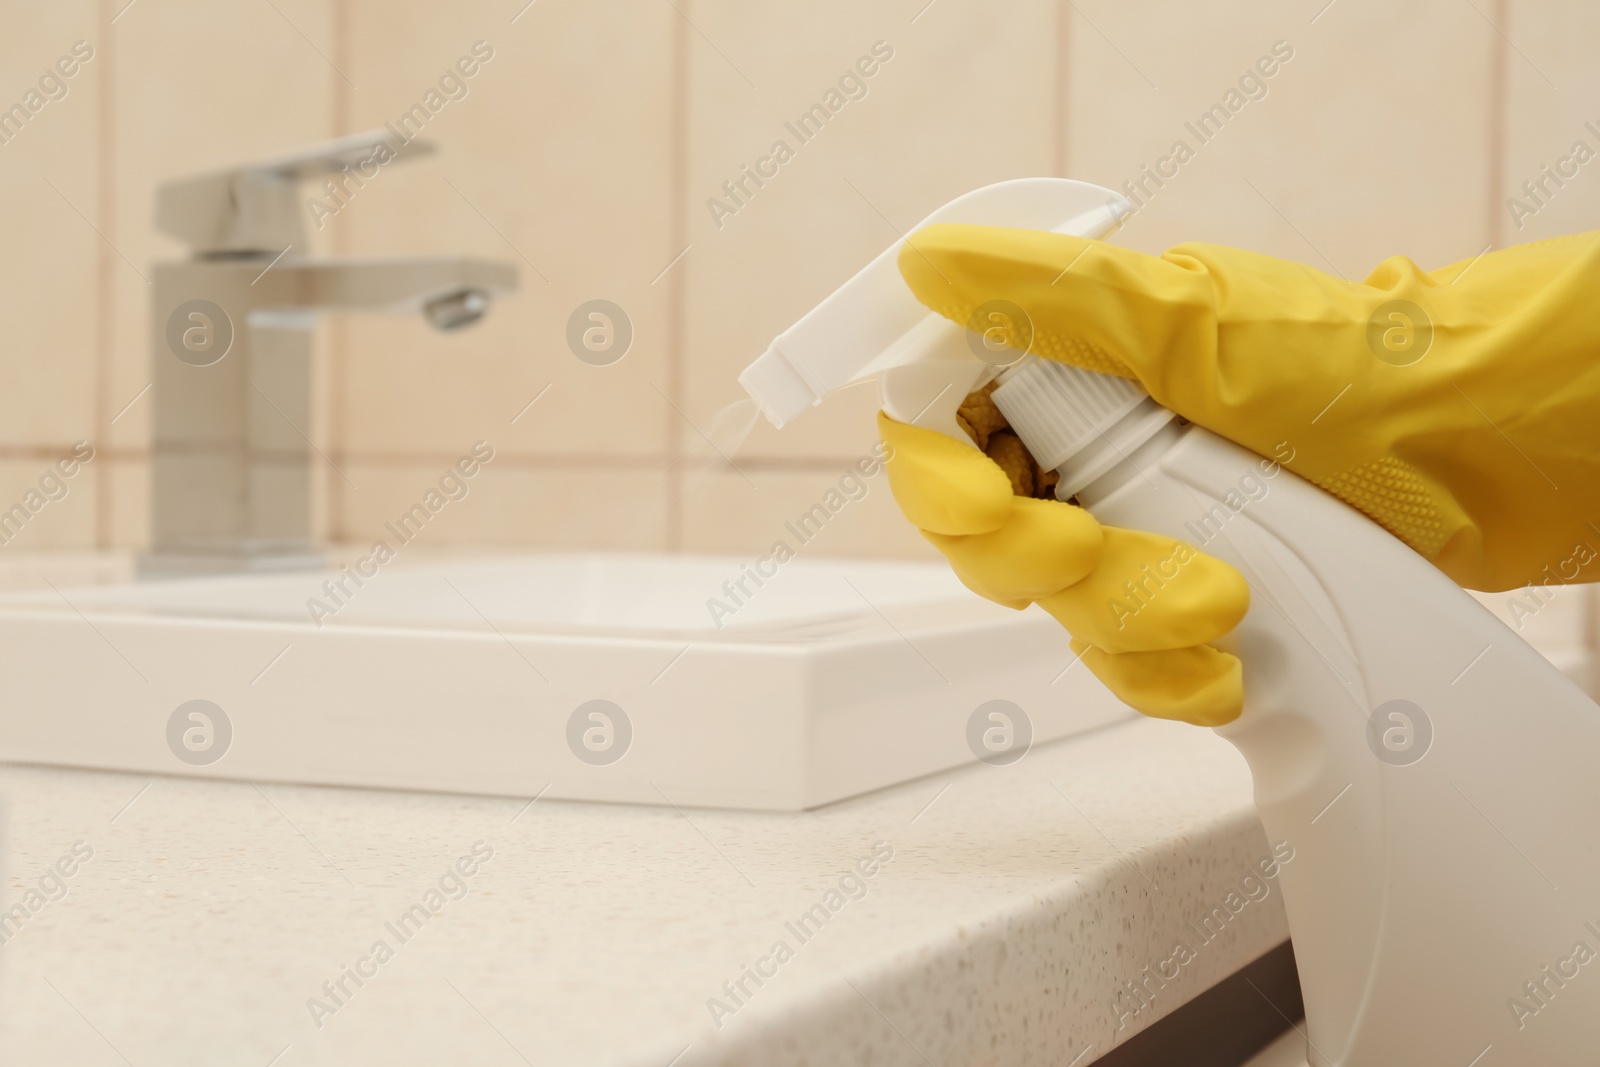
942 485
1045 546
1148 593
1093 304
1198 685
1201 327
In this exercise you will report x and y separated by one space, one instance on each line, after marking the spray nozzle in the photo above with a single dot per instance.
874 326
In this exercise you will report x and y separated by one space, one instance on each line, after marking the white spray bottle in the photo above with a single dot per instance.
1438 779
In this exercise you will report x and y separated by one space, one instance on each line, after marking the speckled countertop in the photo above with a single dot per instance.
1016 902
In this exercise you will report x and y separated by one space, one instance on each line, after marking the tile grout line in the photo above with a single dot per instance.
677 293
1061 145
104 284
571 461
1499 114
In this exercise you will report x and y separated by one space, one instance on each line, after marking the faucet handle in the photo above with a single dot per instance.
341 153
255 207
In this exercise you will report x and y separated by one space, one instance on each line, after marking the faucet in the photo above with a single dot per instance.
230 350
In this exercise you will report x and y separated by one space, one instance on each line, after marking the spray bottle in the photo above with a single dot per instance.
1437 778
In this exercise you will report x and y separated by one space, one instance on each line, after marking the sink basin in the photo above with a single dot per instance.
591 677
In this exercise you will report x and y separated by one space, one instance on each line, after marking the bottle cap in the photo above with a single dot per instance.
1075 421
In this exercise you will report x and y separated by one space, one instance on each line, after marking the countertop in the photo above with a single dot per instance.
1016 902
995 915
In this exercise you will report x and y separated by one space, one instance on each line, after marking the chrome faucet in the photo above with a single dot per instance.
231 452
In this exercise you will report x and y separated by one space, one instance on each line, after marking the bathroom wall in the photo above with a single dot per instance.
170 88
588 151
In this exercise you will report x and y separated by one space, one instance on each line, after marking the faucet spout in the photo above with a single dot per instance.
402 285
233 466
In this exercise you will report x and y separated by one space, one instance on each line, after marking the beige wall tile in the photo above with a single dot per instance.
40 509
69 568
49 316
1551 618
966 100
601 505
199 86
1373 140
747 514
1552 84
557 161
129 501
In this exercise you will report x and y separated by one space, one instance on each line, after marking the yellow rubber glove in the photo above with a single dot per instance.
1017 550
1459 409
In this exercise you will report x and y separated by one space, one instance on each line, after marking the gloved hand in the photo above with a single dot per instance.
1449 407
1018 550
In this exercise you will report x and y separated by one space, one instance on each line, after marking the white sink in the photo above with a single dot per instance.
481 676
